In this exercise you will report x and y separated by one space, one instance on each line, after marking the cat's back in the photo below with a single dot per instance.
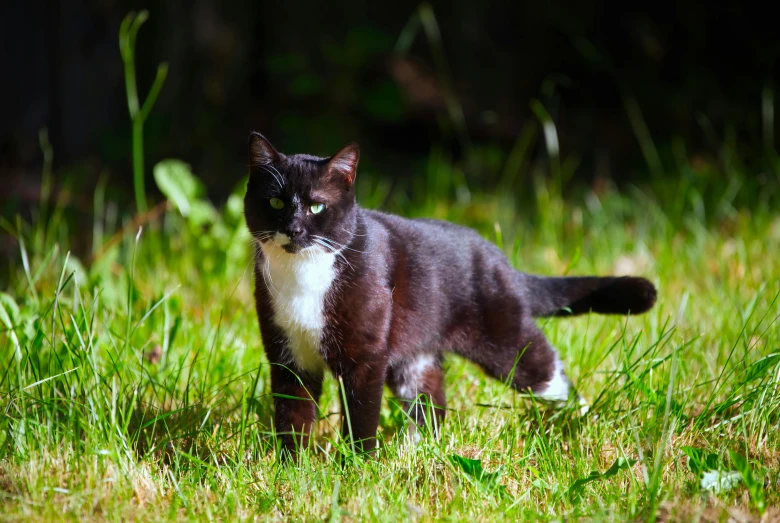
439 274
428 234
448 250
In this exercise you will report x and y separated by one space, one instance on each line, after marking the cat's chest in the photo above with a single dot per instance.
298 285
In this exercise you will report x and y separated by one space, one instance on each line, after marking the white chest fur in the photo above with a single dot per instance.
298 284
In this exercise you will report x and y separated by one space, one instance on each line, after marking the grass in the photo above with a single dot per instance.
133 382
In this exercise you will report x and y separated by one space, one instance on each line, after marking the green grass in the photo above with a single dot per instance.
133 383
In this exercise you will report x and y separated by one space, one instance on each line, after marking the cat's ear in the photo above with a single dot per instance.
344 163
261 152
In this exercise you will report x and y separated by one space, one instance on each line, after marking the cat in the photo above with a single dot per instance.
378 299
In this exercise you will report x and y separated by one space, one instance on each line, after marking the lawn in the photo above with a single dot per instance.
134 386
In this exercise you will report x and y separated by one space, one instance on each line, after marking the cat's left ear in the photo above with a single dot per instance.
344 163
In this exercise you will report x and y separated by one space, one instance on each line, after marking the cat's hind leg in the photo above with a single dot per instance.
418 382
527 361
559 388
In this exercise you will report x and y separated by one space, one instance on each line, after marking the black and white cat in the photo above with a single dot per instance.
376 298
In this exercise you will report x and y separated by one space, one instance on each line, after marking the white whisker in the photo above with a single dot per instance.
341 255
331 248
269 284
279 178
262 235
352 233
274 168
340 245
322 244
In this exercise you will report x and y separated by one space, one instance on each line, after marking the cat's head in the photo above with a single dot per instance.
299 201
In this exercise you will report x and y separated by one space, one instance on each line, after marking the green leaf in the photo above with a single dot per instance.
473 467
620 464
755 485
233 212
700 461
202 213
759 368
175 180
11 308
75 266
234 209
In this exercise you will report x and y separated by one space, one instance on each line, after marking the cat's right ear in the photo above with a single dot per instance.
261 152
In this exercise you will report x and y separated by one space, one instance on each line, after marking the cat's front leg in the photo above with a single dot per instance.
296 395
363 382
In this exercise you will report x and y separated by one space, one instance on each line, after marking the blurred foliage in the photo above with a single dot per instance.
448 102
623 83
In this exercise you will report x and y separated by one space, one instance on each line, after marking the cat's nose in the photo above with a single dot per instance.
294 231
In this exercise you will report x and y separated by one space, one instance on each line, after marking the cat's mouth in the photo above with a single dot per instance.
288 244
292 248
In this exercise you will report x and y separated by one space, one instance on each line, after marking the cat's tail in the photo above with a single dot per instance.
581 294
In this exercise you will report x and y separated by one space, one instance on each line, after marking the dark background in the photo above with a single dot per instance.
314 76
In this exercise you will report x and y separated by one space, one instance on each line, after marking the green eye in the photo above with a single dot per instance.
317 208
276 203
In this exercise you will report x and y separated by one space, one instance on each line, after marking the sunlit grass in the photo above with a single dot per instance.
134 385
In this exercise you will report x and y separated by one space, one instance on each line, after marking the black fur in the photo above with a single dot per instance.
582 294
406 291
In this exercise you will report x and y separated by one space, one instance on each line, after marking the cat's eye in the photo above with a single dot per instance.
317 208
276 203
